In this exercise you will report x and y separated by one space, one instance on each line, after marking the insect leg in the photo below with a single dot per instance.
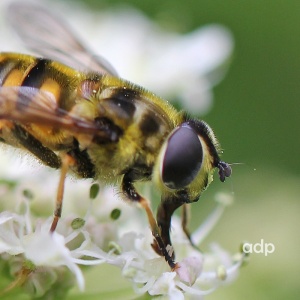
81 165
132 195
166 209
185 217
67 162
163 216
49 158
83 168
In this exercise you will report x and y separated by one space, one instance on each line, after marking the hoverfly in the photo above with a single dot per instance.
95 125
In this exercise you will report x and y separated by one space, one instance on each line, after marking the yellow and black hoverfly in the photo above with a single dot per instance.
95 125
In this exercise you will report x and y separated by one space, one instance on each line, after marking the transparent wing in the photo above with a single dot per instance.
45 33
27 105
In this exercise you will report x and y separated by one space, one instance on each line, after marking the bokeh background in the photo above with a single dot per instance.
255 115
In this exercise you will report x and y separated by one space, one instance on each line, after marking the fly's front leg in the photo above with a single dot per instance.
166 209
164 215
132 195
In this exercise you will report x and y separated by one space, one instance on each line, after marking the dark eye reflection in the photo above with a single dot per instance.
183 158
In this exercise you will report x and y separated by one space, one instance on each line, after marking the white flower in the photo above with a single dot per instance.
26 244
40 247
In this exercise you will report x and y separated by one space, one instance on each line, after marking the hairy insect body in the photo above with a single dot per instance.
137 128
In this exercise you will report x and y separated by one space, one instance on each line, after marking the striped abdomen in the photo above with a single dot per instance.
44 74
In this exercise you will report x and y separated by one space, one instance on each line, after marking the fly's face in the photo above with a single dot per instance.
188 159
184 169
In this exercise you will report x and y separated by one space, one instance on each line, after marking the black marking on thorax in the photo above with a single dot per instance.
122 102
149 124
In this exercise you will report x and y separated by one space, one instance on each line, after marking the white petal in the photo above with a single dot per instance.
189 269
10 227
163 284
45 249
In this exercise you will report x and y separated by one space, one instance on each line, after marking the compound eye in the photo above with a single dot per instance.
183 158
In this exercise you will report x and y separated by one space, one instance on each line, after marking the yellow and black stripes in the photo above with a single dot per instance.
42 74
6 67
37 74
13 68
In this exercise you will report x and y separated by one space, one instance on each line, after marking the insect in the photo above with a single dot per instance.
71 111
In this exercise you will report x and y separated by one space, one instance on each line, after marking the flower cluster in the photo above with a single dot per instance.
111 232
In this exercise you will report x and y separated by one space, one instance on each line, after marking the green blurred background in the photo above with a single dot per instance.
256 115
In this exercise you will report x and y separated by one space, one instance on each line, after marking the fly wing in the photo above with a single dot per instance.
27 105
45 33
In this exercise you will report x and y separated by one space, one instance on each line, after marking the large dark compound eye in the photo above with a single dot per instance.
183 158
